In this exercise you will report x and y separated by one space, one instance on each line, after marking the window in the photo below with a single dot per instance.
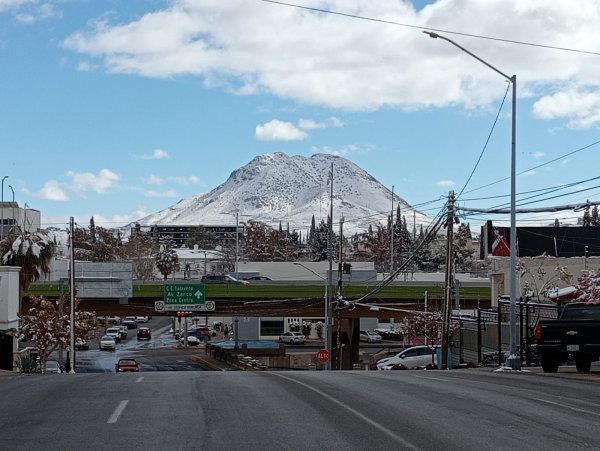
271 327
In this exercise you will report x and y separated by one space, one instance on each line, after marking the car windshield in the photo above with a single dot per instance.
127 362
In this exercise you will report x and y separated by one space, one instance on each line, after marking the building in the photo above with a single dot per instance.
225 235
14 219
536 241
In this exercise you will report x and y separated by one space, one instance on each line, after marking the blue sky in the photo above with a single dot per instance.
117 109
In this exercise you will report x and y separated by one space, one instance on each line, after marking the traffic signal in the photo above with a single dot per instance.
182 314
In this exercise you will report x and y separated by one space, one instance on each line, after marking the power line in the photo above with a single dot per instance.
487 141
418 27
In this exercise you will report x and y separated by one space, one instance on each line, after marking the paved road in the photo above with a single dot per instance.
304 410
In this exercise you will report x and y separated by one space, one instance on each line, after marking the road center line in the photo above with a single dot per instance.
405 444
118 411
140 379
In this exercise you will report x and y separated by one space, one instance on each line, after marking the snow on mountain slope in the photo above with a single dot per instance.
276 187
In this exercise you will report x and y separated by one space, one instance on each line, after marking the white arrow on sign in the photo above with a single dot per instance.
198 294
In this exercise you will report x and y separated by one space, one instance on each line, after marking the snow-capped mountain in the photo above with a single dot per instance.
277 188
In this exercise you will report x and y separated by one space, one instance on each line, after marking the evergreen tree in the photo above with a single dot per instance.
462 253
594 220
92 230
587 218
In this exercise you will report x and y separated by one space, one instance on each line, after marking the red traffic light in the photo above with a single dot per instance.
181 314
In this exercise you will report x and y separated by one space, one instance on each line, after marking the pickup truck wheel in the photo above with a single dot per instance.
583 364
549 365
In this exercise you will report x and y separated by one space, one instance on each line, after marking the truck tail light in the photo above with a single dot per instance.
538 331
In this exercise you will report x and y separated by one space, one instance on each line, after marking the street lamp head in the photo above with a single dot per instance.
431 34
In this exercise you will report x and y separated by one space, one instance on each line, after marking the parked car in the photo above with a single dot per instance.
414 357
191 340
293 338
81 344
223 279
114 332
144 333
53 367
108 342
127 365
369 336
130 322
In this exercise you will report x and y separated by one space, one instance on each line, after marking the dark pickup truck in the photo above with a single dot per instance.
575 335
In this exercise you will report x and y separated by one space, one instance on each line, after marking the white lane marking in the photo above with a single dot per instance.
118 411
140 379
566 406
433 378
366 419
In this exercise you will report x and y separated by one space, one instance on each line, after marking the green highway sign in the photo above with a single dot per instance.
184 295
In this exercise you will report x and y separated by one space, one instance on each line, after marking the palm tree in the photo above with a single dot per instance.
32 252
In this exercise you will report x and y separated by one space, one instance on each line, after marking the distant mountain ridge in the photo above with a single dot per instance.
276 187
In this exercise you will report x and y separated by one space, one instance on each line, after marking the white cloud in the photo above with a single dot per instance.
84 181
152 193
537 154
445 183
157 154
279 130
185 179
343 151
565 162
154 180
9 4
52 190
30 11
309 124
327 60
581 107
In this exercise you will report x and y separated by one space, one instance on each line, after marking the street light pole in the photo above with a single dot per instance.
2 210
512 361
13 208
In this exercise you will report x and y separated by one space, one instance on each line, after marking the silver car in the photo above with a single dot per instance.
292 338
52 366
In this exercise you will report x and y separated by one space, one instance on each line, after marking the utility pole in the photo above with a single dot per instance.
339 297
72 294
329 319
448 284
392 234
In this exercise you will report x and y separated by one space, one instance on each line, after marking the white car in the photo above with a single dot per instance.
369 336
108 342
415 357
292 338
191 340
114 332
141 319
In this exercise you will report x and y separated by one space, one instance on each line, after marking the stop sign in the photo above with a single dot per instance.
323 355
